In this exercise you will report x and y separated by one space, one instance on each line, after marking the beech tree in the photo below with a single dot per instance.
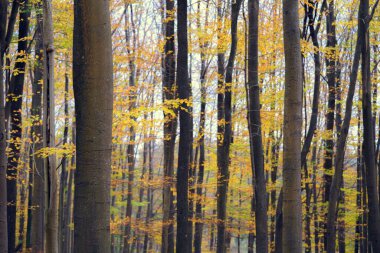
292 210
93 89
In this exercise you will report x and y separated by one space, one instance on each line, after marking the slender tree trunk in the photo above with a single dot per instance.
273 197
341 222
51 180
340 150
311 16
69 202
224 154
201 134
255 132
186 131
64 187
93 90
149 194
315 200
170 129
292 211
137 240
3 158
15 96
369 134
331 72
38 195
220 127
279 223
131 45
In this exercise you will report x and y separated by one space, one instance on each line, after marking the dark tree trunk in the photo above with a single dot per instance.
341 223
186 132
273 196
310 13
330 115
93 90
255 131
64 187
279 224
149 195
170 128
131 45
68 246
224 152
340 150
220 127
315 200
369 134
15 96
3 158
38 196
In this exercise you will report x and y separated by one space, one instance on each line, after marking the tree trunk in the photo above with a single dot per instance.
131 45
186 131
292 211
51 181
38 195
93 91
315 200
340 150
3 158
224 152
255 132
149 194
170 129
331 78
15 96
201 133
69 202
64 187
369 134
279 223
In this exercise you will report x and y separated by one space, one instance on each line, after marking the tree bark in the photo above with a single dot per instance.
170 128
255 131
369 134
51 180
340 150
330 115
93 91
224 153
201 133
38 195
183 242
3 158
131 46
64 187
292 210
15 96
